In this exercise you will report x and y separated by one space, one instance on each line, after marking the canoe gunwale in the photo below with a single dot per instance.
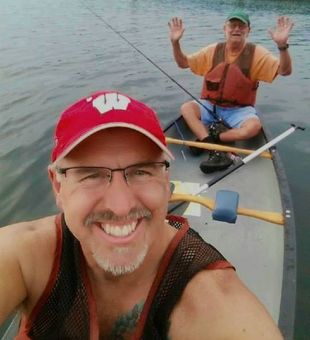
288 299
286 319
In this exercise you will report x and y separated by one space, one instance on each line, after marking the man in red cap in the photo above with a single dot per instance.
231 71
111 265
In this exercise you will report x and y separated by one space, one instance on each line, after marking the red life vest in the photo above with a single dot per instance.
229 84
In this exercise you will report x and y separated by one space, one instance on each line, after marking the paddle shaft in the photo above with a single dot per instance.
271 143
218 147
269 216
240 163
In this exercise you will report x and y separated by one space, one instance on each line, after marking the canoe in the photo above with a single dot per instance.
262 249
260 244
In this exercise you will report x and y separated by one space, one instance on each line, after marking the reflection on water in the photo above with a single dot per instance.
49 58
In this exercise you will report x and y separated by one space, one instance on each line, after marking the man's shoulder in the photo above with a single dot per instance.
204 299
28 233
27 254
211 47
36 225
207 291
216 304
207 49
261 50
211 282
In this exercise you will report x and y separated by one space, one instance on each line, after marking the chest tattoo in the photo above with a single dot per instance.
126 322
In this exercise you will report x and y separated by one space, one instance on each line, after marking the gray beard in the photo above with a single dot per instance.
119 270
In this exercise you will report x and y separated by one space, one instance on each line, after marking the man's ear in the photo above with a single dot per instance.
55 186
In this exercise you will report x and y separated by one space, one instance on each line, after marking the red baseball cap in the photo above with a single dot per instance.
103 110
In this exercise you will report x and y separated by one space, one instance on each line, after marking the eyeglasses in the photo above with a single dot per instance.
234 24
92 177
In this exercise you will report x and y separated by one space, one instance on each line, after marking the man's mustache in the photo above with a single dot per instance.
110 216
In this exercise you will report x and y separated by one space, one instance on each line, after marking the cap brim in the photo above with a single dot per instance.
238 18
112 125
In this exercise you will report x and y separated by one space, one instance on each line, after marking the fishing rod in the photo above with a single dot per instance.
214 115
241 162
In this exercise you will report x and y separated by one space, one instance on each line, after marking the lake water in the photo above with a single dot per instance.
55 51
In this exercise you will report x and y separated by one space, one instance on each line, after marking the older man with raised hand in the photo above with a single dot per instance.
231 71
112 265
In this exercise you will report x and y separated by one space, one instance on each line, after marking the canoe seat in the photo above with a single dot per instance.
226 205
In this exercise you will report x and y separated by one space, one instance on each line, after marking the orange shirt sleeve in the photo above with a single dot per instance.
264 66
201 62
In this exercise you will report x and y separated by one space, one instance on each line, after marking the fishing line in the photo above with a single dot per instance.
219 119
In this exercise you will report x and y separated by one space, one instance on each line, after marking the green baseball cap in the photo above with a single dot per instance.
240 15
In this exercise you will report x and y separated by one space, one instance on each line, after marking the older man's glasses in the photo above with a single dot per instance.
93 177
237 24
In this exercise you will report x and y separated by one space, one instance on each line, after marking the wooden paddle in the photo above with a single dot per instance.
241 162
218 147
269 216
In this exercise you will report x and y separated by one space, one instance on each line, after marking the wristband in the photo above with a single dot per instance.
283 48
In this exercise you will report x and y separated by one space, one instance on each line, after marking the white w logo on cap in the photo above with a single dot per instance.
109 101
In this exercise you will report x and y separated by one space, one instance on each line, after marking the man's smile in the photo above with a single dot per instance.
119 231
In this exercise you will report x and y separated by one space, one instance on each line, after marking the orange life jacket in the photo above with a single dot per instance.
229 84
